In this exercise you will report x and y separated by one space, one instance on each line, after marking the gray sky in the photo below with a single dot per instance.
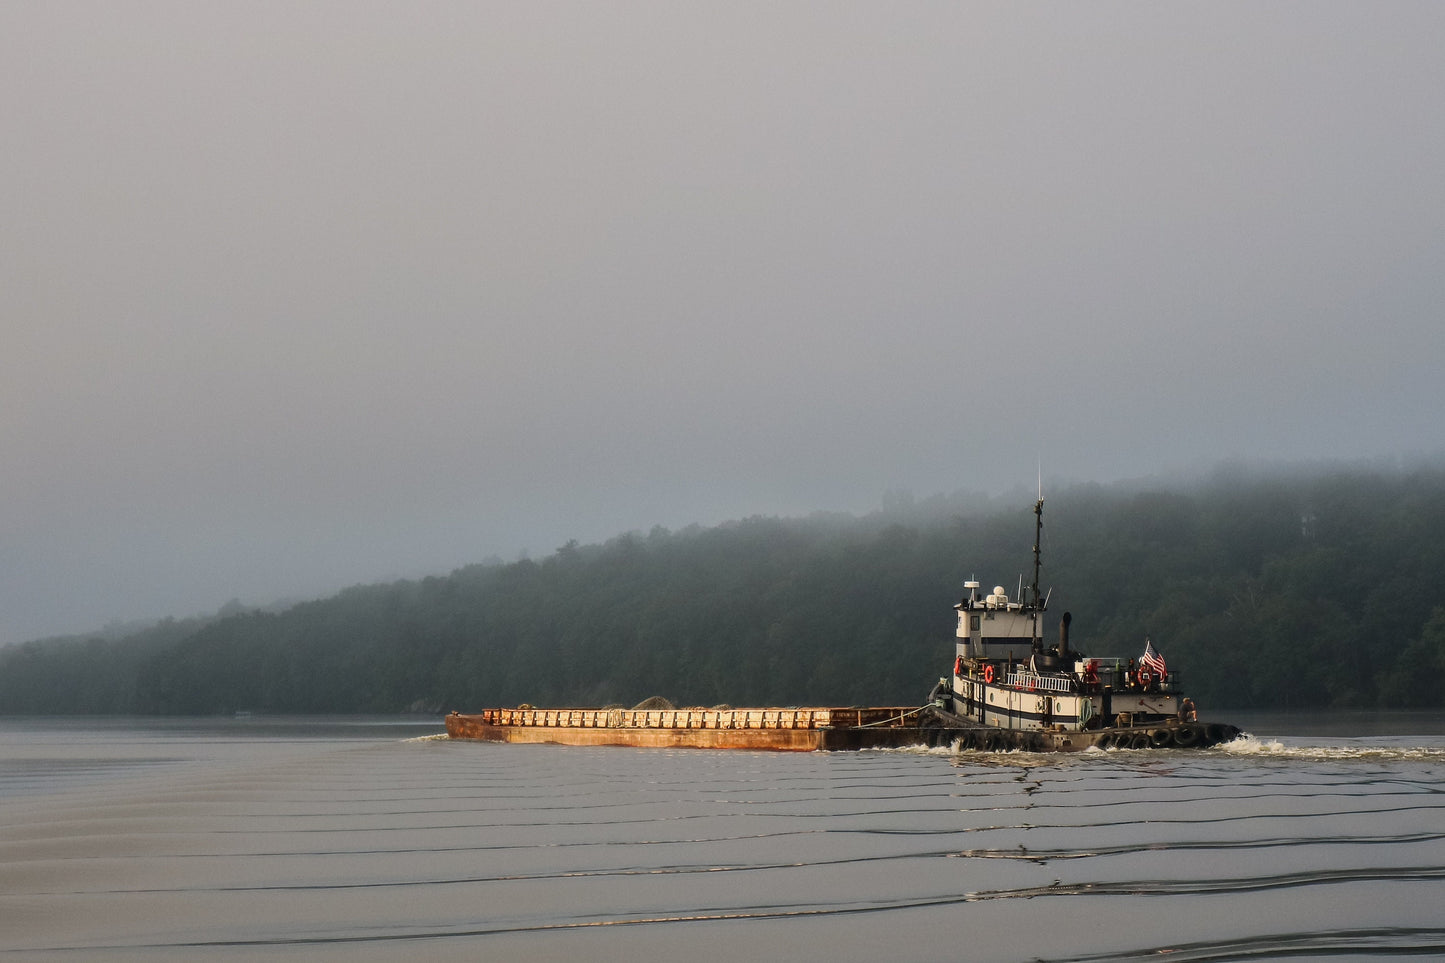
299 295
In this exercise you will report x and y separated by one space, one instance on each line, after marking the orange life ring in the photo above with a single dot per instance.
958 666
1145 678
988 673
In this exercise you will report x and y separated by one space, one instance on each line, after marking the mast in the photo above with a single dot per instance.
1038 640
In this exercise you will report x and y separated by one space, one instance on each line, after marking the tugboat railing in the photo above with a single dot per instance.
1034 681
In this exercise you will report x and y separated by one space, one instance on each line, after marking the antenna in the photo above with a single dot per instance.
1038 537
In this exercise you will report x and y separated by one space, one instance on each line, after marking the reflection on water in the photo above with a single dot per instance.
370 839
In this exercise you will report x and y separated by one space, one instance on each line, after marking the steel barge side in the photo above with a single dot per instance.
787 730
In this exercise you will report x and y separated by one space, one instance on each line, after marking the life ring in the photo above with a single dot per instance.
1146 678
958 666
988 674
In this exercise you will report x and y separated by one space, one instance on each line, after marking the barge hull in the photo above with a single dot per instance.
780 730
781 740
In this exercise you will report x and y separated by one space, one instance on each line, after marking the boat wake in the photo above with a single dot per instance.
1332 750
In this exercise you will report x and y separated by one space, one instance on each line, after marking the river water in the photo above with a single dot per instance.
359 840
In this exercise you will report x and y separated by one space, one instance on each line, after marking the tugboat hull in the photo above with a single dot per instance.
1175 735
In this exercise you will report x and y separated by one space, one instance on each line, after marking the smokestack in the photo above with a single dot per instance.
1064 635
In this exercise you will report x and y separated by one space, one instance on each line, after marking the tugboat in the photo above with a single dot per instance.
1007 691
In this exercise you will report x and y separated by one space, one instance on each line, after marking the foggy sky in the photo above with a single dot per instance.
299 295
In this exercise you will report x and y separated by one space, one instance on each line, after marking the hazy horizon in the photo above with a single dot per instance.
897 504
298 296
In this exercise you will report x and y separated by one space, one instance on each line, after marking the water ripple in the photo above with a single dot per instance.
348 850
1364 943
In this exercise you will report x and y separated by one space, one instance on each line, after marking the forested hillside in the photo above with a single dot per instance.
1261 591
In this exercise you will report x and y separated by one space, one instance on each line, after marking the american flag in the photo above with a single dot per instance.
1152 660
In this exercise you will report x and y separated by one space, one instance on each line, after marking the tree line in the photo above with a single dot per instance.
1283 591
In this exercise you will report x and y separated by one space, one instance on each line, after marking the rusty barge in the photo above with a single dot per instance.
1007 692
796 730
